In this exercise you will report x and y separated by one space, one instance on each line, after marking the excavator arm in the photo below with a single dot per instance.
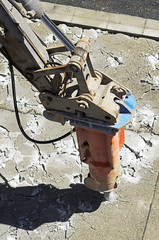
75 92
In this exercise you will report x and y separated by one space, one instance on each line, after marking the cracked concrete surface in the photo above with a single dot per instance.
42 195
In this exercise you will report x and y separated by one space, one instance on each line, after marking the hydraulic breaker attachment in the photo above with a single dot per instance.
98 106
101 152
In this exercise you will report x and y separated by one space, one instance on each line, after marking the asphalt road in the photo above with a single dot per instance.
140 8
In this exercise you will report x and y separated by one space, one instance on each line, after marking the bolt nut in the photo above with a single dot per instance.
118 91
83 104
2 33
49 99
29 76
74 68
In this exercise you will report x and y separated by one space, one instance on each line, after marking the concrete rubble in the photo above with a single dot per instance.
42 195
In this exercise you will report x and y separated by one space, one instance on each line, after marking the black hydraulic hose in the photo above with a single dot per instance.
52 26
16 107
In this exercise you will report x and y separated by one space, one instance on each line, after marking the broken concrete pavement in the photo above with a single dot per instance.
42 195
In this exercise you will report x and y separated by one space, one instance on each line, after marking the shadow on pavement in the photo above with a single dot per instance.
31 206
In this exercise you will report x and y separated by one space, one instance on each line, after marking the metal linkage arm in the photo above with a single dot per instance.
24 48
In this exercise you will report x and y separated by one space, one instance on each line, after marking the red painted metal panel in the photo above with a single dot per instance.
101 152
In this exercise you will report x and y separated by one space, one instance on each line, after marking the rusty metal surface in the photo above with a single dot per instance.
94 90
